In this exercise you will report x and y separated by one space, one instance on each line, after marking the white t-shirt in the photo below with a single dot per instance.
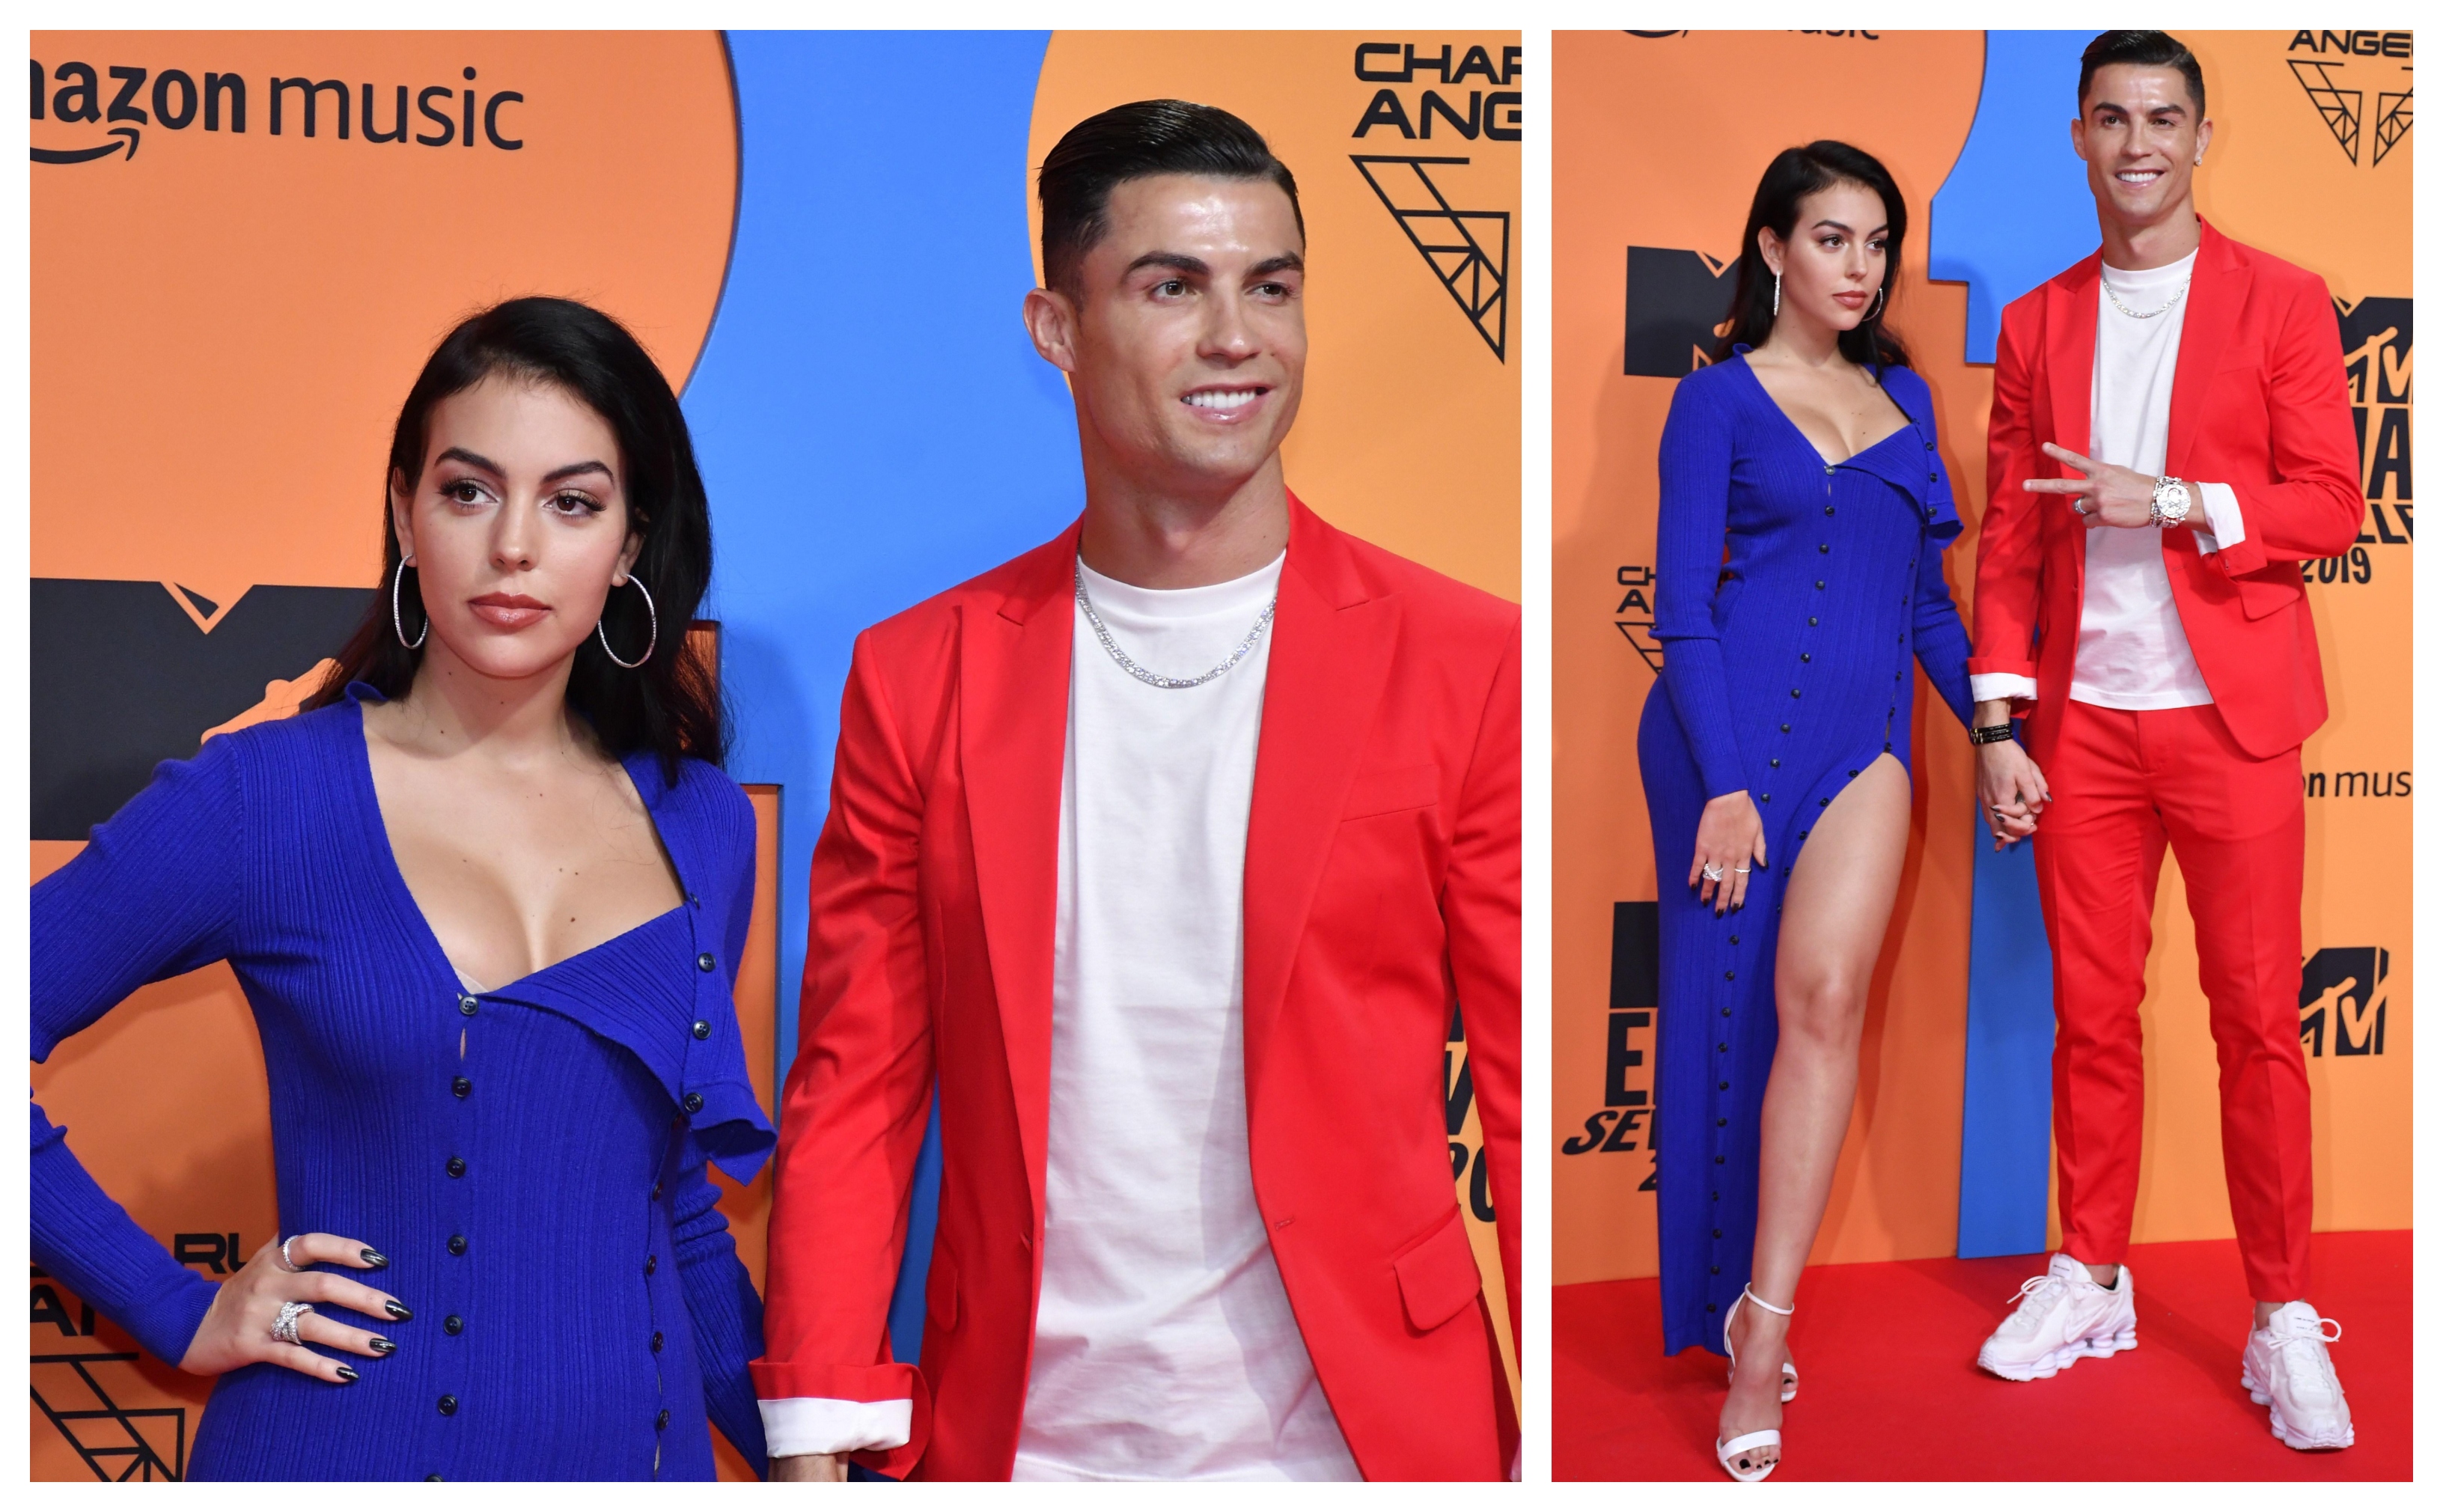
1165 1347
2132 651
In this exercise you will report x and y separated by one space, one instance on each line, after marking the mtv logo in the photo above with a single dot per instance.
1675 301
2341 989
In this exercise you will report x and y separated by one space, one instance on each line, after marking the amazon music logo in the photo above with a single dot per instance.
2357 785
2338 69
1625 1119
2340 995
176 100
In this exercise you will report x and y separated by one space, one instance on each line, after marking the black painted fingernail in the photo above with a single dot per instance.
348 1374
396 1309
382 1345
375 1258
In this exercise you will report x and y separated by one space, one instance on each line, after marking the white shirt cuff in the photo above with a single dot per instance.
823 1425
2223 526
1986 686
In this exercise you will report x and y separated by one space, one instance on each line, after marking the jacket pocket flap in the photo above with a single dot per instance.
2259 596
1437 1275
1393 788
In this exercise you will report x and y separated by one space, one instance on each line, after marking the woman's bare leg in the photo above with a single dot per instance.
1834 913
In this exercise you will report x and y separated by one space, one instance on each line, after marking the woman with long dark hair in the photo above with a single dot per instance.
487 896
1803 514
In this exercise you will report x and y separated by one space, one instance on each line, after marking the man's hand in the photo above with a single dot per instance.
2011 791
2107 495
809 1467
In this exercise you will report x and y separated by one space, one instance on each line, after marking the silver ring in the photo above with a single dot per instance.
287 1262
1741 870
284 1327
1713 874
2077 505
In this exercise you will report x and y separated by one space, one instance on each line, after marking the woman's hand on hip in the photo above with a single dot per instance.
237 1330
1730 840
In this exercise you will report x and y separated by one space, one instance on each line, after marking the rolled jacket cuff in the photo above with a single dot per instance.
2223 526
1986 686
822 1424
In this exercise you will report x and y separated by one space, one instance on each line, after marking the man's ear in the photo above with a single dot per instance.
2205 135
2078 136
1051 319
402 515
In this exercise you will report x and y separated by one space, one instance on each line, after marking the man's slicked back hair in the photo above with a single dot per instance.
2144 50
1140 140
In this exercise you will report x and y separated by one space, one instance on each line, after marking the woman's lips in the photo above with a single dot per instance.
1852 300
508 610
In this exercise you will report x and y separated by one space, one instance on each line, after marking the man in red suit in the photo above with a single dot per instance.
2154 631
1167 852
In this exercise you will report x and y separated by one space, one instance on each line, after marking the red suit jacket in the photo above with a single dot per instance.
1381 887
2259 401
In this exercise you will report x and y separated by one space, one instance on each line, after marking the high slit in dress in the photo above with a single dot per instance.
1786 672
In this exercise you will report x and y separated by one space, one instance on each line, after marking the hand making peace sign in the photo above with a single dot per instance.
2107 495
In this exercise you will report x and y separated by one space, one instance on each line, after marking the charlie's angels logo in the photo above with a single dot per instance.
1468 249
2342 996
178 99
2339 68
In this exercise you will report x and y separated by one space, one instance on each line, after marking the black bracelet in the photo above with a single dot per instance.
1989 734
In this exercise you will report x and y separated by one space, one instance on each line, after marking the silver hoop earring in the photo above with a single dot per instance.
397 626
653 618
1871 308
1776 295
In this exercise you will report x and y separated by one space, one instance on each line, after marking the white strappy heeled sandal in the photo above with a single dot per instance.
1735 1450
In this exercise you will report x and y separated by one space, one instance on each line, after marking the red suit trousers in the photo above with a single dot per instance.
2123 783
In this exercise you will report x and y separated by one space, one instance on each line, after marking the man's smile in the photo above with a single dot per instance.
1227 404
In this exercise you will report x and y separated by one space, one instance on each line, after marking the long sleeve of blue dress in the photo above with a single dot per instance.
148 898
1694 469
723 1308
1937 637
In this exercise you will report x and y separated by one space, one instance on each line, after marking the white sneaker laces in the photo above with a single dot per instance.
2316 1337
2036 1296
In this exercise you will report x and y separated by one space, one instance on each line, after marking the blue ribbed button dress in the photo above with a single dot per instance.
1786 672
531 1159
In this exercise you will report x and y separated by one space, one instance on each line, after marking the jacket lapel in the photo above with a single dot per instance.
2069 356
1012 729
1332 639
2217 290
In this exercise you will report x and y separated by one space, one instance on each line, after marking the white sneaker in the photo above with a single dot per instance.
2285 1368
2063 1318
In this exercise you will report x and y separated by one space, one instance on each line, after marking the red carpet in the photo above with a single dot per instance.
1890 1391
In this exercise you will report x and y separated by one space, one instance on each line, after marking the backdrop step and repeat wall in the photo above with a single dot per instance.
245 244
1948 1151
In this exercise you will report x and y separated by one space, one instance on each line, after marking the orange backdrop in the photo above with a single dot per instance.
2276 178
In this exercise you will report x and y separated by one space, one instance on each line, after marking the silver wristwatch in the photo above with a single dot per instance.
2171 507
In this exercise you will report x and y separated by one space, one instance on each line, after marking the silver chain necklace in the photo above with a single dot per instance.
1155 679
2150 314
